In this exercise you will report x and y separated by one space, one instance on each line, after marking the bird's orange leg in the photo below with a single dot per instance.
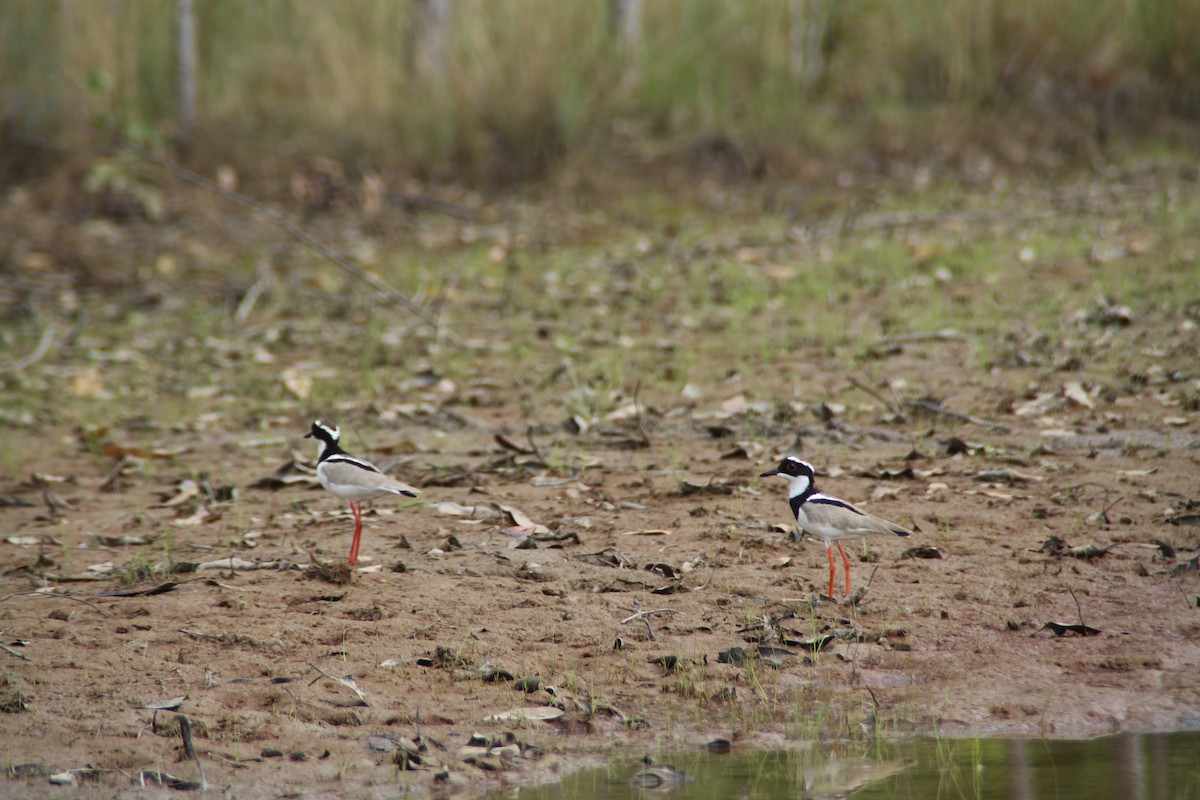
832 568
846 562
358 526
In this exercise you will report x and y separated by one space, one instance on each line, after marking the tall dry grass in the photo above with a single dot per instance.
526 81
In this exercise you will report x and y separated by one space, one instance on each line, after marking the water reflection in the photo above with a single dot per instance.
1124 767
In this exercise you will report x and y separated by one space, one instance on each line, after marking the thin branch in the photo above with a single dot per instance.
36 593
937 408
12 652
197 634
38 353
854 599
533 448
1078 609
185 732
890 406
302 236
1109 507
1187 600
348 682
643 617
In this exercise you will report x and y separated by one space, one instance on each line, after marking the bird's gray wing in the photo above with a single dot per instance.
344 470
840 514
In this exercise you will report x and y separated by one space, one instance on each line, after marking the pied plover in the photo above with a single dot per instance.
829 519
350 478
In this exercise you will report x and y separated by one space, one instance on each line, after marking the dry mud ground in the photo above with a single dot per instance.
657 507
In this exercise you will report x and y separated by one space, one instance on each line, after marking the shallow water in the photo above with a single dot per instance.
1158 766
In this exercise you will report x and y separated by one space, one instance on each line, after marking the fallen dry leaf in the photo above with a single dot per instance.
117 451
627 411
228 563
89 383
881 492
734 406
453 509
520 520
296 382
1074 391
186 490
201 516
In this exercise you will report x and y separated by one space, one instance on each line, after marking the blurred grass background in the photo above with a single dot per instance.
527 83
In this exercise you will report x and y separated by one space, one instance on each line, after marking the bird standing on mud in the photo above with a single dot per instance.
350 478
829 519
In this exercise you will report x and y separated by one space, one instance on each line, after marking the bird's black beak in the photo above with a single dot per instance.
769 473
308 435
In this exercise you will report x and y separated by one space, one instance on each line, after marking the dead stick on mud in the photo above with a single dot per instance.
38 353
532 446
1187 601
860 592
185 732
92 606
1078 609
873 720
299 234
347 681
938 409
1109 507
890 406
197 634
642 617
12 652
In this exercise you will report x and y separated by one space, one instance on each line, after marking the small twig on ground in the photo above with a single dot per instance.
890 406
642 616
110 482
38 353
874 699
1109 507
532 446
53 502
92 606
197 634
12 652
938 409
264 277
185 732
348 682
856 597
1078 609
1187 601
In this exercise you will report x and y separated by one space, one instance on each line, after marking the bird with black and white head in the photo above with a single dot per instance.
827 518
350 478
